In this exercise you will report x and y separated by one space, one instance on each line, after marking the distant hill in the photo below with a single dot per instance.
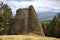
46 15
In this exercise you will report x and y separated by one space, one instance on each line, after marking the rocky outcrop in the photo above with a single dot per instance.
33 22
21 21
26 21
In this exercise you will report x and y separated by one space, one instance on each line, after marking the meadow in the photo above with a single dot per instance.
26 37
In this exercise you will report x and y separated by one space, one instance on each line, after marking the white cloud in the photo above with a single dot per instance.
39 5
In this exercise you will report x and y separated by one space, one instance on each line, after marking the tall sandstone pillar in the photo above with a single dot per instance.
20 23
33 22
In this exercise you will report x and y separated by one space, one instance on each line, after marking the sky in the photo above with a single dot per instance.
39 5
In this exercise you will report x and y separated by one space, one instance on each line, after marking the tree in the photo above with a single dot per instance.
5 18
54 27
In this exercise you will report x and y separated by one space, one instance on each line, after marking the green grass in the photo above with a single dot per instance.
46 22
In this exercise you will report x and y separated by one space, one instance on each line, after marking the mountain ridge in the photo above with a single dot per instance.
46 15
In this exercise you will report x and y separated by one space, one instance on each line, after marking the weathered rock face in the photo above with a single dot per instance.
34 23
20 25
26 21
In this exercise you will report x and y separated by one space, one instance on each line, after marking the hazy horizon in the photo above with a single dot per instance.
44 7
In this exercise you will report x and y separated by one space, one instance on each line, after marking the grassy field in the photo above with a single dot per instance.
26 37
46 22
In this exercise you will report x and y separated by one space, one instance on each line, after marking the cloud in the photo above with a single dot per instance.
39 5
18 0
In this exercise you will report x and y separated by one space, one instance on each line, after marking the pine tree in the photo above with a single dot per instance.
6 18
54 27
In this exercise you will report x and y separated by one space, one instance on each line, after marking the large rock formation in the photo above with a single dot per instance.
33 22
26 21
21 21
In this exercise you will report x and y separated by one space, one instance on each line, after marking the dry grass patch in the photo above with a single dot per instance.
25 37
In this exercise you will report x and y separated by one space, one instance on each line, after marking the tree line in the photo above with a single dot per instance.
53 28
